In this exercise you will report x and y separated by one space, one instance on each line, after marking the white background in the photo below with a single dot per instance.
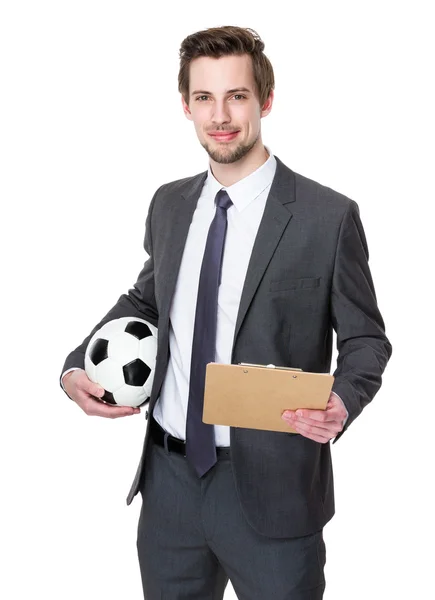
91 125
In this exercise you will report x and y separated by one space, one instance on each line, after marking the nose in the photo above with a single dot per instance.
220 112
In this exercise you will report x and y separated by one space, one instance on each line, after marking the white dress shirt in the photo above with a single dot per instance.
249 197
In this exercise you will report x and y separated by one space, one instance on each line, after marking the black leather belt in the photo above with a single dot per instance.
174 444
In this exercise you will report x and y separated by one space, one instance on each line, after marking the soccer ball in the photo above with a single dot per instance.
121 357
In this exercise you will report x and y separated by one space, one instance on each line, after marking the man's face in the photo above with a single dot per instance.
222 99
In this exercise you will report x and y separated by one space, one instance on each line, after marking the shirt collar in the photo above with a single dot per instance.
243 192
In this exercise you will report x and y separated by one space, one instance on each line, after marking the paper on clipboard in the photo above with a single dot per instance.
255 396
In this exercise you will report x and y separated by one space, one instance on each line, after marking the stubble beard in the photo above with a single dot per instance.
225 156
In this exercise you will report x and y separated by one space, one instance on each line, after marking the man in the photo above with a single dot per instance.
248 262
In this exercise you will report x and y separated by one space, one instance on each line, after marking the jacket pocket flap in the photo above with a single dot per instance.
294 284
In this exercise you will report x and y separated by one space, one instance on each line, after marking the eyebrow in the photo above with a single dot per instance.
240 89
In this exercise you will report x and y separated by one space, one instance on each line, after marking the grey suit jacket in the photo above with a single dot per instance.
308 274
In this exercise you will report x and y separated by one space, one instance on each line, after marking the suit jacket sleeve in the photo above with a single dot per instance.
139 301
363 348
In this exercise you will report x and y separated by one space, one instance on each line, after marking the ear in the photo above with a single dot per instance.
186 109
267 106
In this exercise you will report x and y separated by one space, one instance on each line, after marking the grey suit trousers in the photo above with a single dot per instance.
193 537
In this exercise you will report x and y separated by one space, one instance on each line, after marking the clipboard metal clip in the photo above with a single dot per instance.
269 367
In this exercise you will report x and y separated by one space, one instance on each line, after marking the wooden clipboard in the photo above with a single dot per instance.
255 396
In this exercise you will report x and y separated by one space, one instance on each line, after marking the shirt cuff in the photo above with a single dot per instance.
347 412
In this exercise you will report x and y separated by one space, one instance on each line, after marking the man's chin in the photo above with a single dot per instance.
226 156
223 160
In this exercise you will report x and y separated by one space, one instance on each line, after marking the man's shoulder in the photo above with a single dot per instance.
314 192
181 185
310 193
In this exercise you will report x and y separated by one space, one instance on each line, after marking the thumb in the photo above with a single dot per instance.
97 391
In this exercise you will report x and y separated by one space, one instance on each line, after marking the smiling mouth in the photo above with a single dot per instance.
224 136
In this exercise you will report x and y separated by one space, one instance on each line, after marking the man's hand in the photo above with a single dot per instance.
84 391
318 425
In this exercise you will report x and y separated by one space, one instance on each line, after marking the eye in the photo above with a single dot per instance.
199 98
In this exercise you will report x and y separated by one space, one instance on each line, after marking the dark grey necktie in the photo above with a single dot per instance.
200 444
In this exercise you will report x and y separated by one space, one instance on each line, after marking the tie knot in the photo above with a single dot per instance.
223 200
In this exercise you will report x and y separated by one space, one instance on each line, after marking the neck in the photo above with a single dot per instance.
231 173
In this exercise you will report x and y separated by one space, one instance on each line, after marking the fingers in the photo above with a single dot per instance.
85 393
97 408
334 411
322 416
89 387
315 432
318 430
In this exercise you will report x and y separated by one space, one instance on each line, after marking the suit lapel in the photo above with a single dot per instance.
273 223
181 216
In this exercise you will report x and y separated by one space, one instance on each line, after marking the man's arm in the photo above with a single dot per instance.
363 348
138 302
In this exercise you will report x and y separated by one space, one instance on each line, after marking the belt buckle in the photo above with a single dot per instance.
175 442
182 444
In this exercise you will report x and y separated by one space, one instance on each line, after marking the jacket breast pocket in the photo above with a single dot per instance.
301 283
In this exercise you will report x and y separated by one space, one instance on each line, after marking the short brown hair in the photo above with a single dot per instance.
223 41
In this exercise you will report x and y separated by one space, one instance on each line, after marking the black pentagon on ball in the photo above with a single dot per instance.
98 352
136 372
138 329
108 397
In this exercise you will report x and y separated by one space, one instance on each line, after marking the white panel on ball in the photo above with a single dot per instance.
129 395
109 374
148 351
149 384
123 348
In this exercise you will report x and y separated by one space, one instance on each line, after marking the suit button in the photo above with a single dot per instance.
146 415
